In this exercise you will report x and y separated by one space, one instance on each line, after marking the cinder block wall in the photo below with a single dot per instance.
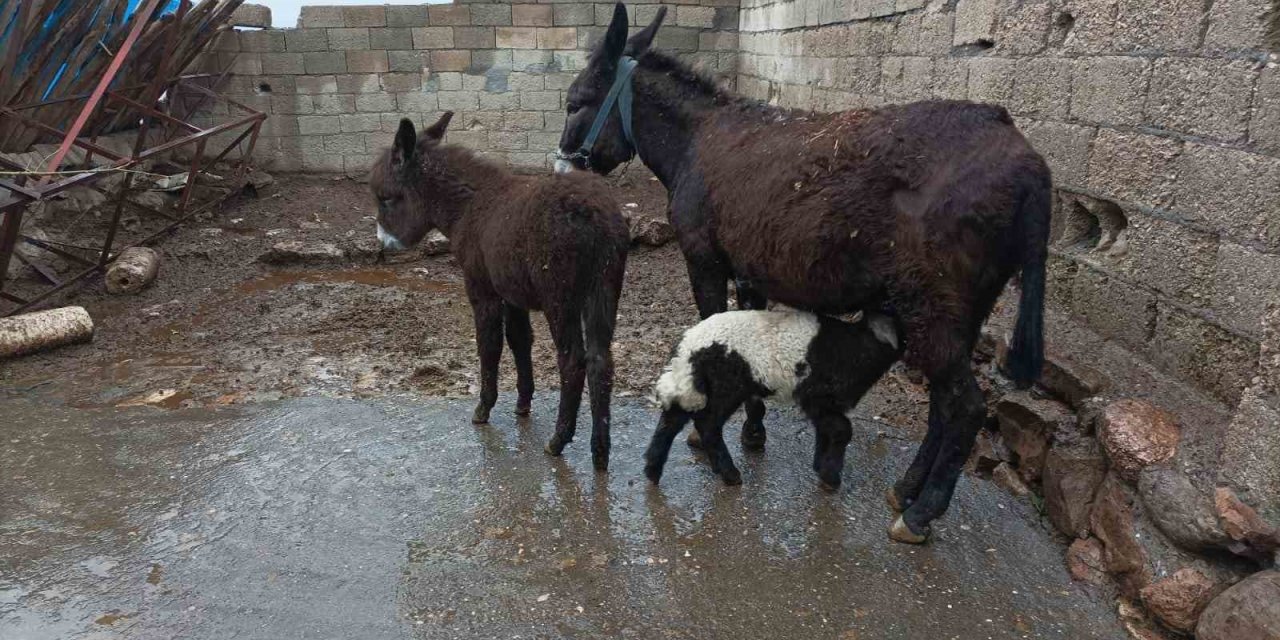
337 86
1160 118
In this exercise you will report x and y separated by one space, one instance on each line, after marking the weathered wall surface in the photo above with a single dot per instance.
337 86
1160 118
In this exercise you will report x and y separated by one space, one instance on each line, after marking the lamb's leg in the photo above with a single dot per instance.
670 425
566 332
753 434
835 431
710 279
520 340
488 318
710 424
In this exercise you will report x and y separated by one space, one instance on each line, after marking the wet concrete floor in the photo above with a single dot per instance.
396 518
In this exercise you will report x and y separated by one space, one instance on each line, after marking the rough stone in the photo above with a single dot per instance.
648 231
434 243
1085 561
1251 536
299 252
1198 350
1179 510
1028 425
1112 522
1070 381
1249 610
1072 472
1006 477
251 15
1178 600
1137 434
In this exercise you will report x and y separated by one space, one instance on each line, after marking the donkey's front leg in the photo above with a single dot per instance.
488 317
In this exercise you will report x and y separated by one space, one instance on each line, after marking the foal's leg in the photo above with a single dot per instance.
566 332
673 421
520 339
753 435
961 411
488 317
598 322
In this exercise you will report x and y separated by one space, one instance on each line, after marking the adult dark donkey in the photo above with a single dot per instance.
552 243
925 209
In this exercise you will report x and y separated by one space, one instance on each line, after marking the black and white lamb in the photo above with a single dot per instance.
823 364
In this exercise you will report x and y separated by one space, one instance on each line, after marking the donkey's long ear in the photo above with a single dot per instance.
615 39
406 147
639 43
436 131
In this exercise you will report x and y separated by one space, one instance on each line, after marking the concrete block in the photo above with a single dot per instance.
475 140
408 61
371 16
487 60
450 60
1064 146
1245 281
1024 27
509 140
1203 97
691 16
325 62
528 159
975 21
1203 353
522 82
951 78
1110 90
474 82
459 100
333 104
433 38
544 140
861 75
499 101
558 38
317 17
1264 129
345 143
318 125
1042 87
306 40
523 121
378 141
676 39
449 81
991 80
401 82
276 126
391 38
1236 25
1158 26
487 120
367 62
310 84
407 16
291 104
359 83
473 37
1060 280
375 102
870 38
251 15
241 64
718 41
282 63
540 101
357 165
1168 257
1113 308
1133 167
1232 192
351 39
824 42
360 122
517 38
322 162
540 15
227 41
906 77
417 102
264 41
491 15
572 15
792 96
531 60
449 15
1093 25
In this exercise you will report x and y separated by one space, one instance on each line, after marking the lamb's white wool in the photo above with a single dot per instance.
772 343
389 241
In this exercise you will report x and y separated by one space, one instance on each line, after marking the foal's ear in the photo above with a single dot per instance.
436 131
615 39
639 43
406 143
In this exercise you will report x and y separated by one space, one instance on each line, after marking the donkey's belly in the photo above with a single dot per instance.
834 280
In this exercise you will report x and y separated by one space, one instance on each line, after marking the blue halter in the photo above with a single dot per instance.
620 93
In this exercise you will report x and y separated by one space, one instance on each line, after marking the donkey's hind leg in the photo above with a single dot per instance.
566 333
599 318
488 317
520 340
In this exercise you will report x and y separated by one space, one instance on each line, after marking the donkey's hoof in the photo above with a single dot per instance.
891 498
732 477
481 416
601 463
653 472
830 485
555 447
522 410
694 440
753 438
900 531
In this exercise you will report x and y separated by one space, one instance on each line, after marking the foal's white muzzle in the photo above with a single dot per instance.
389 241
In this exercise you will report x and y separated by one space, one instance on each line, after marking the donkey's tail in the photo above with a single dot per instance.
1026 353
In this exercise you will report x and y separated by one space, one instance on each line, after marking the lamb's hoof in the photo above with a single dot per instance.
891 498
732 477
900 531
753 438
694 440
555 447
481 416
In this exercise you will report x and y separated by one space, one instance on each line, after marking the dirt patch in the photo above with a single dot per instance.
219 327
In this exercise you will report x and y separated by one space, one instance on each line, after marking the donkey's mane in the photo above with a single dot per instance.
701 83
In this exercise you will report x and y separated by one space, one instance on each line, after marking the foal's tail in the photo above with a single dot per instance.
1026 353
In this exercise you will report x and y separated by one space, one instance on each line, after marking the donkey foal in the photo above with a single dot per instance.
555 244
823 364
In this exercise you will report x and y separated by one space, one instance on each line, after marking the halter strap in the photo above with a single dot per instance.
620 92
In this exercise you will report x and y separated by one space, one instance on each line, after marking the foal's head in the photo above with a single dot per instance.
409 183
588 91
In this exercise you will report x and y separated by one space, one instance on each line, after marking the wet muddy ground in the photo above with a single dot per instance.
248 451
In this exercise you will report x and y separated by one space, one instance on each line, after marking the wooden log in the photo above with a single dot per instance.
133 270
32 332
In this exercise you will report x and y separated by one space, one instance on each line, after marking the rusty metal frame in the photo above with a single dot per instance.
24 191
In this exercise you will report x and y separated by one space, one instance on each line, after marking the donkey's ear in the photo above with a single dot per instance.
615 39
639 43
406 143
436 131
